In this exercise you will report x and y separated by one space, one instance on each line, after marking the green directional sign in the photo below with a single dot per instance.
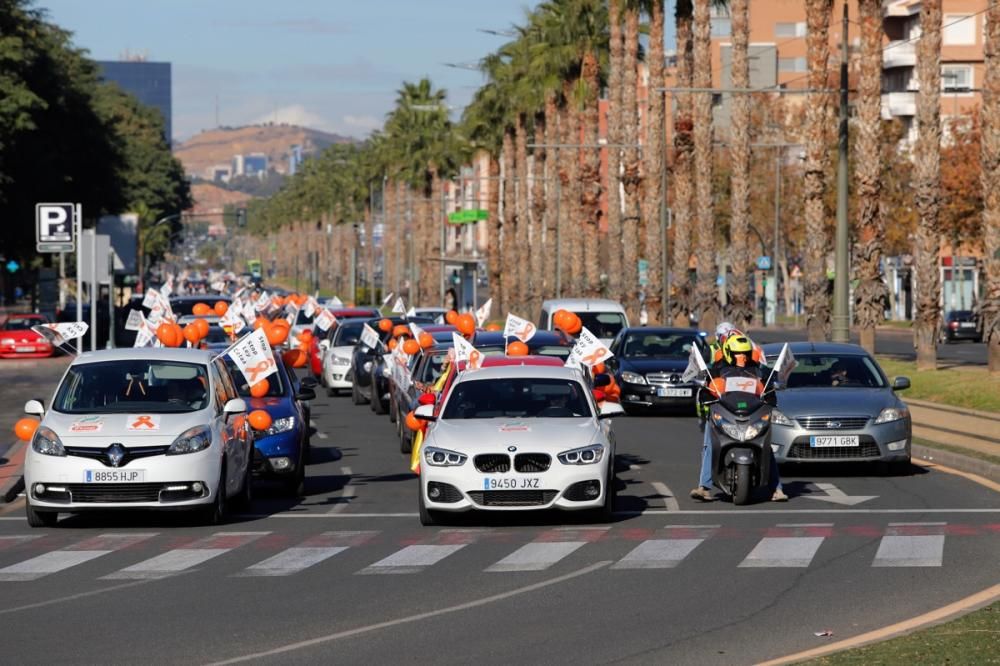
468 216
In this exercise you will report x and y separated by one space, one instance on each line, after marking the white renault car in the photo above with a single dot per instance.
139 429
515 438
337 354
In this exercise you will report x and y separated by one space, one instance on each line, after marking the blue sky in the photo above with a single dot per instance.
328 64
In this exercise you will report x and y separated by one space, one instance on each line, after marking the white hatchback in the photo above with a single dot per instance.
516 438
139 429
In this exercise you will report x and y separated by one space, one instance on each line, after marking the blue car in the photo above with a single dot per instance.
281 451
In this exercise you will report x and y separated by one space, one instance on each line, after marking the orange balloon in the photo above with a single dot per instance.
25 428
276 334
191 333
494 327
385 325
517 348
574 324
294 357
259 419
166 333
400 330
599 368
411 346
221 308
279 300
426 340
466 324
178 334
412 422
259 322
305 336
202 326
451 317
201 309
392 344
260 389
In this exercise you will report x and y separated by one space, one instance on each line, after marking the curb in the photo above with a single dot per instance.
960 462
11 472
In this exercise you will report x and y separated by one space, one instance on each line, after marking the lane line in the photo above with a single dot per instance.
669 499
783 552
72 597
319 640
412 559
536 556
346 492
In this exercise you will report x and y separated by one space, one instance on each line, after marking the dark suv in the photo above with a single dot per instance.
961 325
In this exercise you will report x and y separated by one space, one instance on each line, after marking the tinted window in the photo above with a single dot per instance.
133 386
303 319
21 323
643 344
830 370
603 324
522 397
347 334
431 368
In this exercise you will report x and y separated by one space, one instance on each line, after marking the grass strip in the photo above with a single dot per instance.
969 387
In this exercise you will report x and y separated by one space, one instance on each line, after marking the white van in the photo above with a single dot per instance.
601 316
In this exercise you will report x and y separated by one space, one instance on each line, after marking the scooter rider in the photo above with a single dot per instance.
738 360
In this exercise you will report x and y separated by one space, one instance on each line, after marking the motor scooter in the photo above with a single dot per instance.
741 443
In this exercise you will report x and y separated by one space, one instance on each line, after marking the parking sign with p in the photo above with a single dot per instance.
54 227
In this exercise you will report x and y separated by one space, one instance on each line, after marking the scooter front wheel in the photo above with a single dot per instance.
742 485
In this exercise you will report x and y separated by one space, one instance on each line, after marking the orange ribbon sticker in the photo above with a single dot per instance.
475 359
595 357
144 422
525 332
263 366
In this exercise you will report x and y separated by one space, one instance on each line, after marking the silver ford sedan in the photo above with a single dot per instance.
839 406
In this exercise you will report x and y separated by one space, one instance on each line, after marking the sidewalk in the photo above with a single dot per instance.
957 427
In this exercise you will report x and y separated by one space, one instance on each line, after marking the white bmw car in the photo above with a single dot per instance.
139 429
516 438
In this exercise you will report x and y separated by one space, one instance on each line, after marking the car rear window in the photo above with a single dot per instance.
133 386
657 345
602 324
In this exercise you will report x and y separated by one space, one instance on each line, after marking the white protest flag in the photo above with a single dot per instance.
369 337
156 315
398 307
310 307
151 299
412 312
146 335
233 319
522 329
168 287
218 286
69 330
483 313
252 355
334 302
696 365
464 351
417 331
388 298
785 364
249 312
135 320
325 319
293 313
262 302
589 350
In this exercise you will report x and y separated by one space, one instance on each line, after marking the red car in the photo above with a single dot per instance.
17 340
315 353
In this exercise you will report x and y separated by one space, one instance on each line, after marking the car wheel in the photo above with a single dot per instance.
39 518
356 397
606 513
428 518
216 513
392 411
332 392
405 443
245 498
296 486
378 405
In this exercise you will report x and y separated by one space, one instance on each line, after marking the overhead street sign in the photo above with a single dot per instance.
467 216
54 227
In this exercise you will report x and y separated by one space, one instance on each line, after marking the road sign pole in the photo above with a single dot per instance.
62 281
78 226
94 288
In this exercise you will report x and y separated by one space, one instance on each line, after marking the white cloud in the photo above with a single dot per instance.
295 114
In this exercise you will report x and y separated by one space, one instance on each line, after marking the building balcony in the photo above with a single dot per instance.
899 54
902 103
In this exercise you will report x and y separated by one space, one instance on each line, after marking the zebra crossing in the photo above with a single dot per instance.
792 546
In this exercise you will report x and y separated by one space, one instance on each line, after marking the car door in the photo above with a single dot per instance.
233 429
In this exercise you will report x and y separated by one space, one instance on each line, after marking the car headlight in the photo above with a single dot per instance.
777 418
741 432
890 414
341 360
191 440
443 457
47 442
7 342
280 425
633 378
585 455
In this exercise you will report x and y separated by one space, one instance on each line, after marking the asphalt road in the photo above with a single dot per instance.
348 575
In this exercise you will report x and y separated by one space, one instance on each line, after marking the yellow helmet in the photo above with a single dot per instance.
737 344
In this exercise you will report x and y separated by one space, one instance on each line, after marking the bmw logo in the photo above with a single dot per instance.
512 448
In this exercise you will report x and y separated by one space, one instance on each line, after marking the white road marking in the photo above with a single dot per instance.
658 554
634 467
900 547
837 496
783 552
536 556
312 423
181 559
346 493
412 559
79 553
291 561
322 435
669 499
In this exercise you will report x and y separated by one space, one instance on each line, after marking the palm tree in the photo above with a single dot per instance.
654 165
740 307
990 174
927 185
870 294
817 301
631 173
706 299
683 199
616 120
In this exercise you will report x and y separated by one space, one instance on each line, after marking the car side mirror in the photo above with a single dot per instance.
609 409
35 408
308 382
900 383
425 413
235 406
602 379
305 393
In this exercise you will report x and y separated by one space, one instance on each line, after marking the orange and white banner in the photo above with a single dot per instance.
253 356
588 351
522 329
325 319
464 351
483 313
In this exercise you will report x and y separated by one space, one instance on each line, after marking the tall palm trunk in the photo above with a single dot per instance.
552 192
435 227
389 230
927 185
683 199
870 294
653 164
494 224
817 300
706 298
508 276
615 246
427 276
575 238
590 71
632 174
990 179
522 234
536 246
740 307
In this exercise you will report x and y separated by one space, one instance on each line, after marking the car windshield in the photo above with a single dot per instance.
431 368
22 323
521 397
347 335
832 370
657 345
602 324
133 386
216 334
275 384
